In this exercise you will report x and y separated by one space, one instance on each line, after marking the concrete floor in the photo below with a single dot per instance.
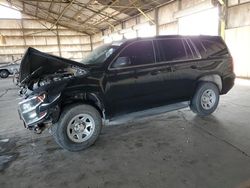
175 149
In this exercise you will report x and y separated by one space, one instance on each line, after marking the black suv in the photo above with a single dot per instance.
73 98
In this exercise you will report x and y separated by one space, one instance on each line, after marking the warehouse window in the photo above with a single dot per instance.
7 13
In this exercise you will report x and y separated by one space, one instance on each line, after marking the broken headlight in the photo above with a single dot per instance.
29 109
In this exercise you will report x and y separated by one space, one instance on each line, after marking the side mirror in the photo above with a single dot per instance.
122 62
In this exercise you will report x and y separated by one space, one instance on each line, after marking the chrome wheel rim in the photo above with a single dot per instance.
208 99
80 128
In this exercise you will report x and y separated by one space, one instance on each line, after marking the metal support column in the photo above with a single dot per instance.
91 42
58 41
157 21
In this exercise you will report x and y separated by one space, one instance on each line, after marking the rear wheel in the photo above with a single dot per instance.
4 74
78 127
206 99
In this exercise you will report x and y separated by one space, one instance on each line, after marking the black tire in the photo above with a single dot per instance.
198 105
4 74
60 129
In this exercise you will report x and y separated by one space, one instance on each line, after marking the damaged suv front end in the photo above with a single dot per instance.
43 77
38 111
31 109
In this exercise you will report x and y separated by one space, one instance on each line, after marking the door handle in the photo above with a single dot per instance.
155 72
193 67
169 69
172 68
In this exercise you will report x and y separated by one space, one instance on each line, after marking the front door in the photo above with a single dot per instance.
133 82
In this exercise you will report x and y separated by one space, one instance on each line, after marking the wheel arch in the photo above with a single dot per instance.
86 98
5 70
214 78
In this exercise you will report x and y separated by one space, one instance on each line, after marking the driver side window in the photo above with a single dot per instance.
138 53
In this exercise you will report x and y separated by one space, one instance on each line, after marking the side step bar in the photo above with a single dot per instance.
146 113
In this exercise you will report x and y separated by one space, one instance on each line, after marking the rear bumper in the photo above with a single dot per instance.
227 83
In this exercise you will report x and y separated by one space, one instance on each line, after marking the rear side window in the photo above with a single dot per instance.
207 47
212 47
172 50
139 53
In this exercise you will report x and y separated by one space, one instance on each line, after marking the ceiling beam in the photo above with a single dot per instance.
94 11
81 9
42 19
103 9
131 6
50 6
63 11
69 18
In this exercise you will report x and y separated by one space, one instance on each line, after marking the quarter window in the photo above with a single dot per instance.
212 46
207 47
171 50
200 47
139 53
188 51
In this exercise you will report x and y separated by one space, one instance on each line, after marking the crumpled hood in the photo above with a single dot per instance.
39 63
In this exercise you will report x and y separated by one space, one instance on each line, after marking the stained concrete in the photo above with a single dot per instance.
175 149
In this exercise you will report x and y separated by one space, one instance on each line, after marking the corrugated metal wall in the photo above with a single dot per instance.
20 34
31 32
237 35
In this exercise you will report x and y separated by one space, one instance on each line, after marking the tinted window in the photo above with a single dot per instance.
207 47
100 54
139 53
212 47
199 46
193 51
171 50
188 50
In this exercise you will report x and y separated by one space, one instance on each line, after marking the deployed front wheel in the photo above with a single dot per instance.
206 99
78 127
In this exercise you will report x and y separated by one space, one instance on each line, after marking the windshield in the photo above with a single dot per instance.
100 54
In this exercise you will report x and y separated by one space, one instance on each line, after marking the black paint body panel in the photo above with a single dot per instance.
123 90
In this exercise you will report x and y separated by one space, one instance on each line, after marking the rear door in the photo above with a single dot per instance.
178 63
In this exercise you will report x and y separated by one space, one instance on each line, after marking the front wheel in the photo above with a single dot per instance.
78 127
206 99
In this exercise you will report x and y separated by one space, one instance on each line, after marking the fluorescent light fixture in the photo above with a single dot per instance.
9 13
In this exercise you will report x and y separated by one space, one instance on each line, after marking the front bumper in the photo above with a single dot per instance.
36 114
